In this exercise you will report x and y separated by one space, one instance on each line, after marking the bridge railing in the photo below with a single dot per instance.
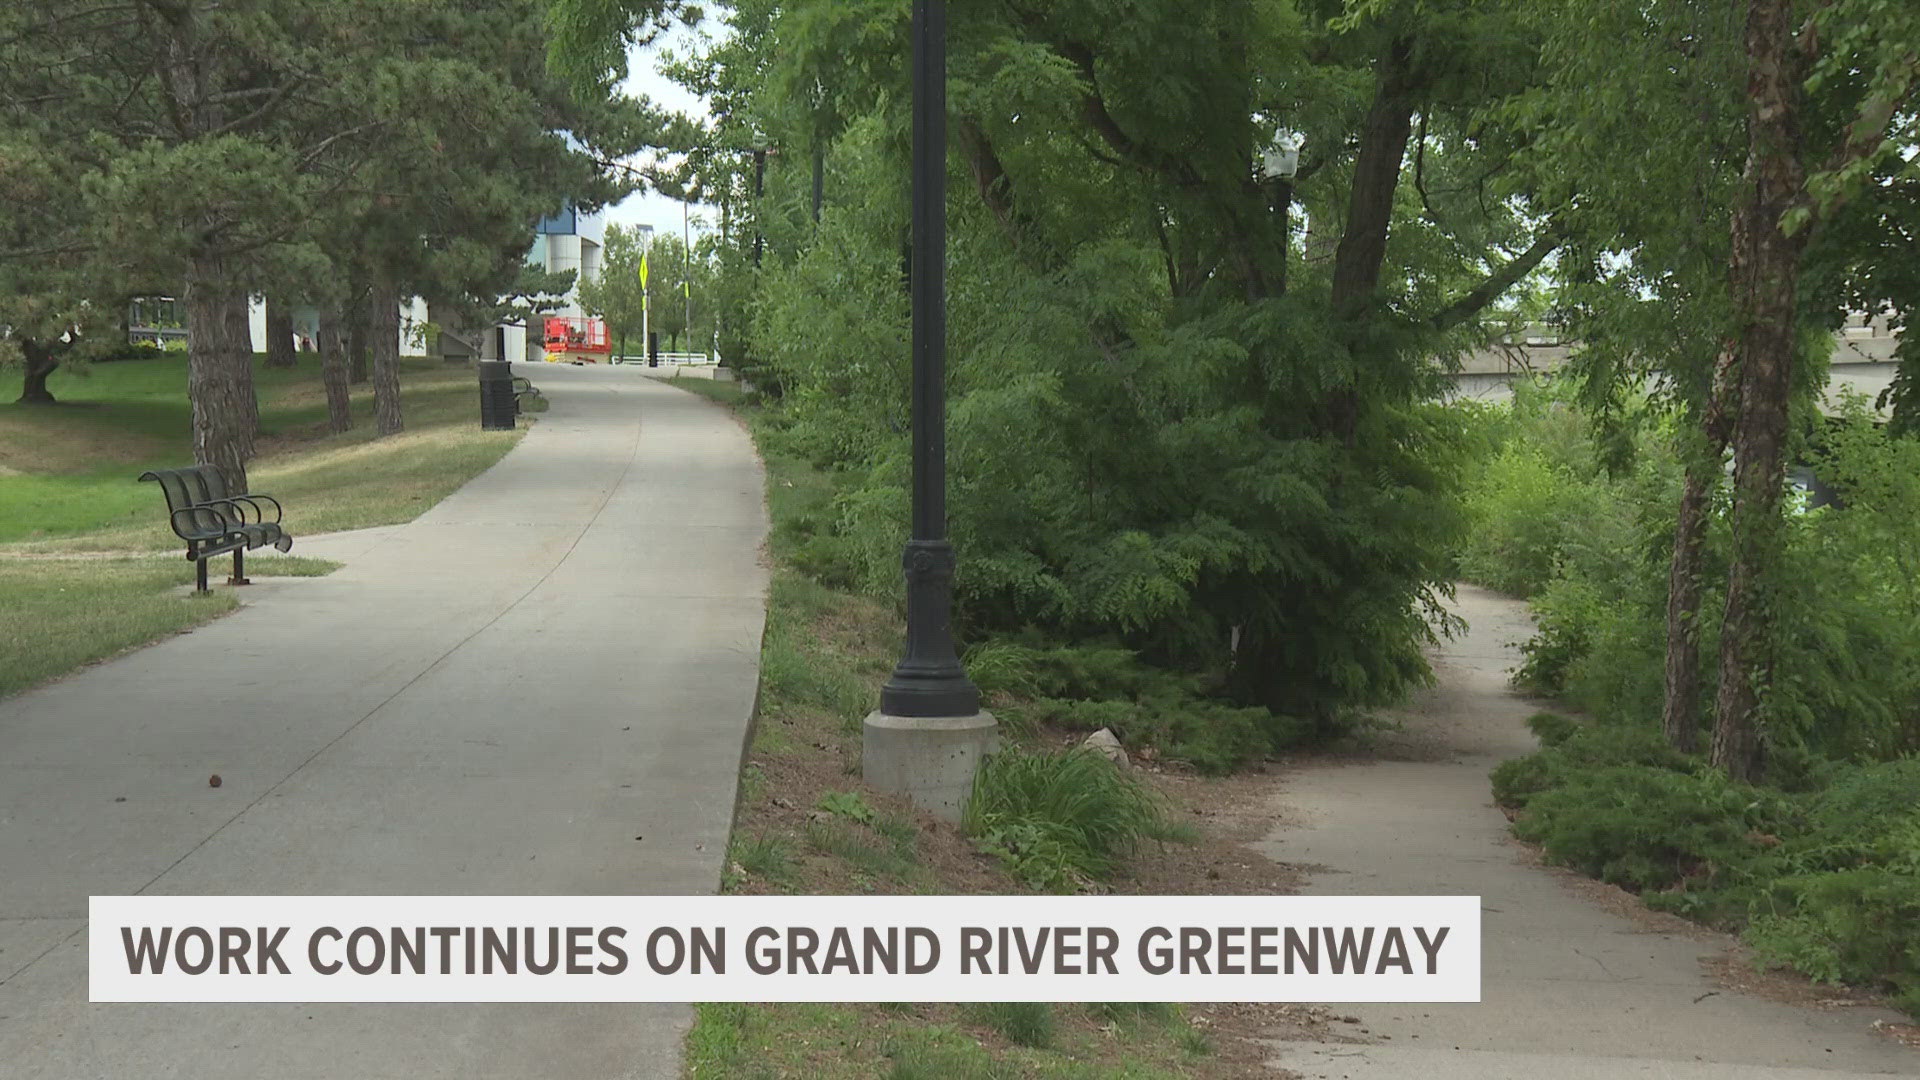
671 358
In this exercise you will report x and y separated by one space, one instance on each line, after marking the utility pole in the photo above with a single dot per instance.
646 308
686 267
759 189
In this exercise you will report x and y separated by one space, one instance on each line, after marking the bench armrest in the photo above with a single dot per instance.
254 500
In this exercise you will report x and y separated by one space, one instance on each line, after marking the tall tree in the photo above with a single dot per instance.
1721 108
1646 97
1794 182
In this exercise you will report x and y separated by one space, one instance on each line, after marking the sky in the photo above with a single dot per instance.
648 208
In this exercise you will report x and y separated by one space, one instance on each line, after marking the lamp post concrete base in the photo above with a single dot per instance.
929 759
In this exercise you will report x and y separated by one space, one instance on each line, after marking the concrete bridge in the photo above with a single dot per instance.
1862 360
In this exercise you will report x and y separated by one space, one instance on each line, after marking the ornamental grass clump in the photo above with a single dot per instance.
1060 820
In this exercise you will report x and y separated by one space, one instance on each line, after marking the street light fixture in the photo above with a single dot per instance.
1279 164
1281 159
761 146
929 734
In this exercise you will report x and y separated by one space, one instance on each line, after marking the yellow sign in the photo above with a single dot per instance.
643 270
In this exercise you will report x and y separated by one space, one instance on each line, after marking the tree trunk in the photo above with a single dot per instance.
1681 716
1376 175
383 332
359 337
1363 246
333 370
240 333
41 360
222 398
1769 321
280 347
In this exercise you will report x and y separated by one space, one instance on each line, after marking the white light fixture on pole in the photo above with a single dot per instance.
1281 160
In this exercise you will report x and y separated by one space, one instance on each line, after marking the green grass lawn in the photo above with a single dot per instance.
60 614
68 471
68 487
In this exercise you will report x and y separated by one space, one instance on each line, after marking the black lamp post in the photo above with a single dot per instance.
929 681
760 148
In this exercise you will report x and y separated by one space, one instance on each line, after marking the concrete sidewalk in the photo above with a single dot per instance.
1571 988
542 686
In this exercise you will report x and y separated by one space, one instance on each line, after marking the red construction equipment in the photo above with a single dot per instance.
571 340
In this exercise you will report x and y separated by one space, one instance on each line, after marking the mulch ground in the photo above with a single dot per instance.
803 758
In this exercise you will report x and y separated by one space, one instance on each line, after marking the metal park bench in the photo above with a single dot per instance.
214 521
527 397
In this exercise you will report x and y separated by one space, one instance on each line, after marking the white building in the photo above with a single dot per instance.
306 326
569 240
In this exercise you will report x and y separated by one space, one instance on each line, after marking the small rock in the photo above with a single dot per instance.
214 780
784 804
1107 744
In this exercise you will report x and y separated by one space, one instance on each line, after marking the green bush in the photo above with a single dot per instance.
1213 736
1059 820
1867 800
1857 926
1826 882
1539 501
1184 497
1552 729
1695 837
1844 678
1521 509
1579 751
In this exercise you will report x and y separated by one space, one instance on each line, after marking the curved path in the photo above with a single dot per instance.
541 686
1570 989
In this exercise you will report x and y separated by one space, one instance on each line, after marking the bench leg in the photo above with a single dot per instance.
200 575
239 568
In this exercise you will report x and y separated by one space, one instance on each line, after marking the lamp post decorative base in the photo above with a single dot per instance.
929 759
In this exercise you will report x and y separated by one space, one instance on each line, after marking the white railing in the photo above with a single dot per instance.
672 358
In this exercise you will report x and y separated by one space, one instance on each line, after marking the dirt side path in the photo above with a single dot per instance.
1574 987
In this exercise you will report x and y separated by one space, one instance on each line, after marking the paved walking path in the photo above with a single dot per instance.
541 686
1570 989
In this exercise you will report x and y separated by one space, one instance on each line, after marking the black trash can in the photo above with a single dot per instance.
496 395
